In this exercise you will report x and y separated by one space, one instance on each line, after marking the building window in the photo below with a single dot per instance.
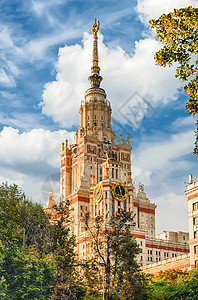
106 195
151 232
125 166
172 254
100 178
81 214
195 206
141 243
151 225
164 254
147 251
116 173
141 257
196 234
91 158
148 258
91 167
151 252
146 224
112 202
124 174
156 253
85 207
184 237
112 209
151 219
113 173
100 171
81 207
119 210
146 218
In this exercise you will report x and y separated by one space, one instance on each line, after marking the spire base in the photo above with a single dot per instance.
95 80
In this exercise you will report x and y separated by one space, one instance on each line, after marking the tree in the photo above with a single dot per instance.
115 247
67 283
128 281
24 263
174 284
178 31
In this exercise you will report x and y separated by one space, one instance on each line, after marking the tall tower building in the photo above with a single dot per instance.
96 173
95 141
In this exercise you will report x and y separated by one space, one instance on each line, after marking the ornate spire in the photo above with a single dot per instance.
95 78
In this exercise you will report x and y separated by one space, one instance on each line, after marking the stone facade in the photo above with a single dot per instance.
93 167
192 194
181 262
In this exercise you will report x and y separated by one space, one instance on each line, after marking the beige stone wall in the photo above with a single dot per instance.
179 236
192 194
181 262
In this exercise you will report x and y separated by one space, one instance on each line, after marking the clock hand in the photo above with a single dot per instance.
120 191
97 192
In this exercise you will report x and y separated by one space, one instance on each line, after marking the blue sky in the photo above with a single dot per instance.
45 56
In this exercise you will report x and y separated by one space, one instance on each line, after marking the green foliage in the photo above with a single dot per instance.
178 31
128 281
114 245
3 288
37 257
174 284
23 247
67 284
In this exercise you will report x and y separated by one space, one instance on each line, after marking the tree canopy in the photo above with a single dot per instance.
178 31
174 285
117 249
37 256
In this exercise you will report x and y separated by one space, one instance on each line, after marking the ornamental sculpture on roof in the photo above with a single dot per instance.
95 27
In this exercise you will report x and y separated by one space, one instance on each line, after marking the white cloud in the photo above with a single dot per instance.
41 7
6 79
35 146
153 9
155 161
158 155
123 74
28 158
172 212
7 42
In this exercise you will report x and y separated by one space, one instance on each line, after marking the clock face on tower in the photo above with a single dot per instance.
97 193
119 191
